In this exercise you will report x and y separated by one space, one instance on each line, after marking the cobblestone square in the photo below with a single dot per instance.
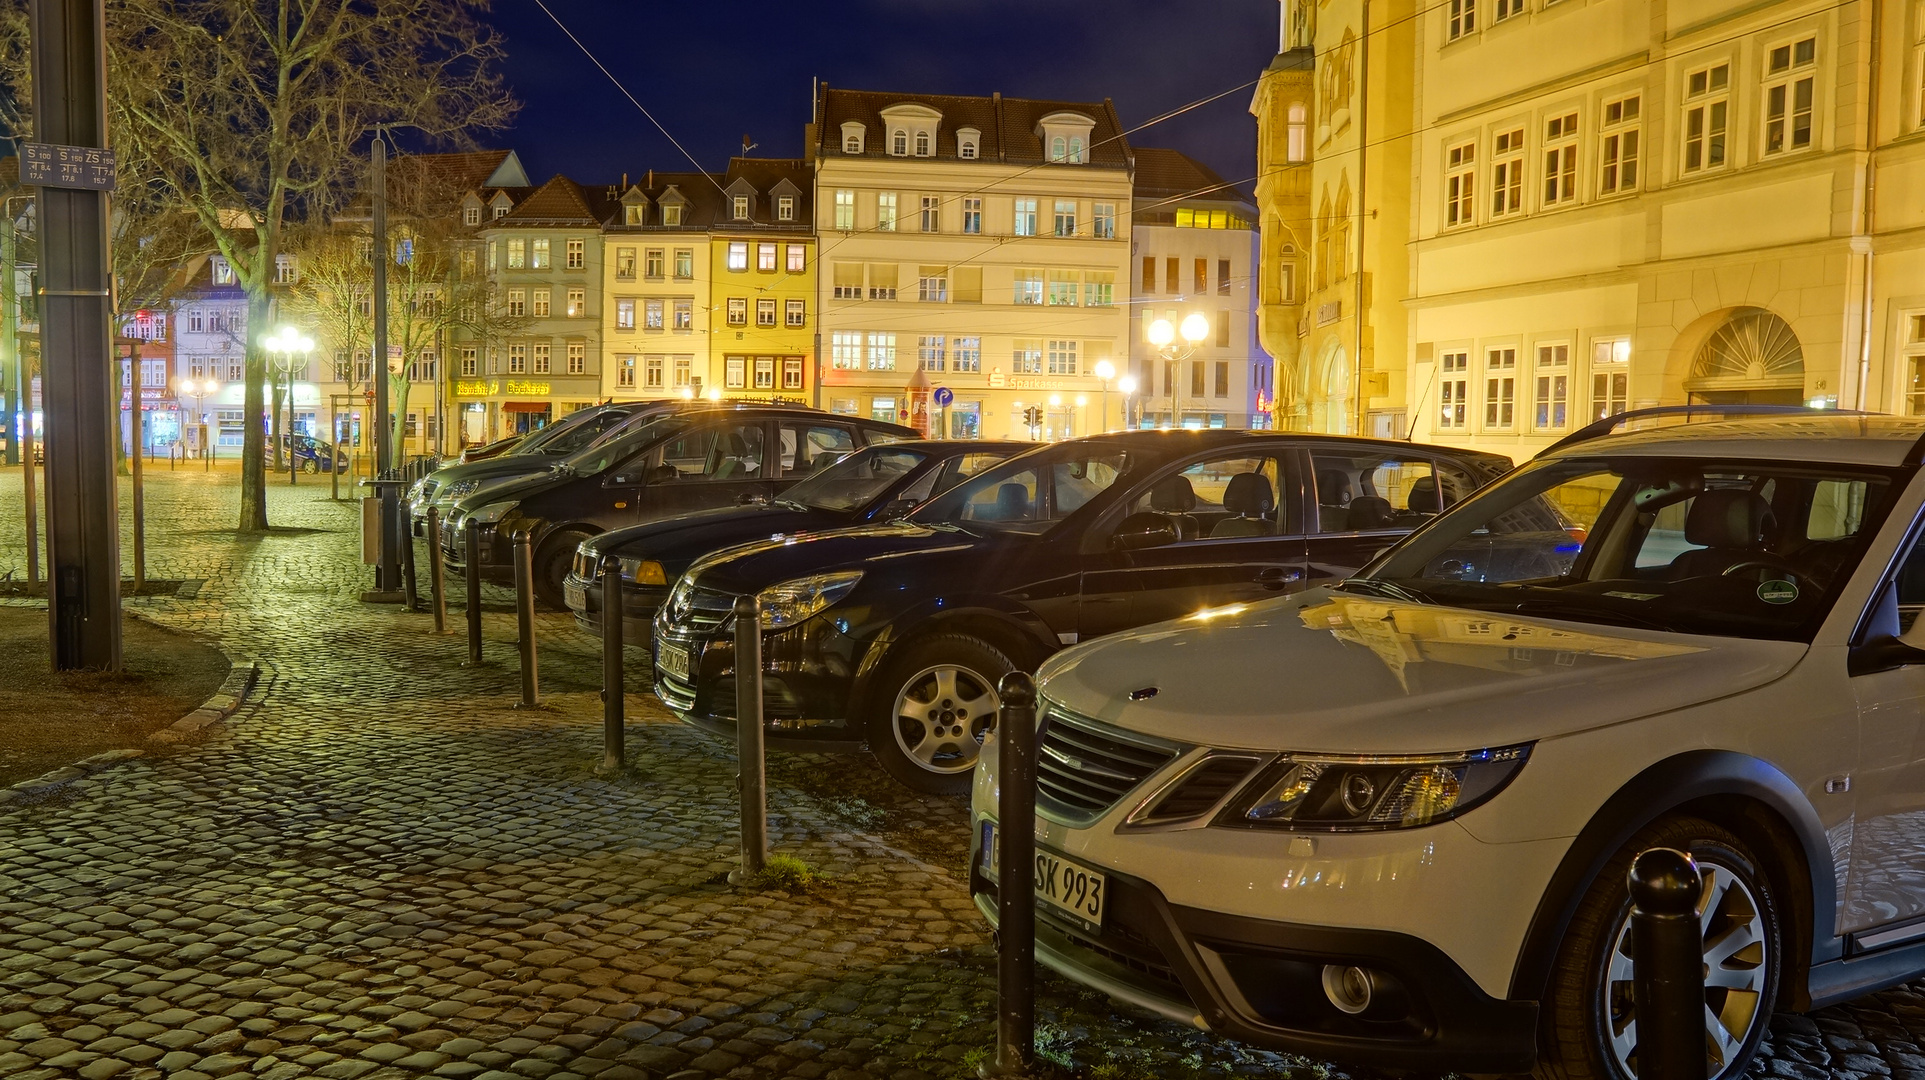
377 868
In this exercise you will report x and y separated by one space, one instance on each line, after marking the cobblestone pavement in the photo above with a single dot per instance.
378 869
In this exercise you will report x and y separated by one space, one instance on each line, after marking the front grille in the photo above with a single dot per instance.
1085 772
1199 791
1142 957
699 611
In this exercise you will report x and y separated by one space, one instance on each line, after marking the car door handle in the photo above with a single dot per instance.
1276 577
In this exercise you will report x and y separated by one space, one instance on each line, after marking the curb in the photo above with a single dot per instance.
225 701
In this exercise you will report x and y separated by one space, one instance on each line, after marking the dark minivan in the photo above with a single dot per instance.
878 483
896 634
693 459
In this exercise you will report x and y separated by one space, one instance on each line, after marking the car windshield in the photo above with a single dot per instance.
1029 494
630 439
856 479
566 439
1696 546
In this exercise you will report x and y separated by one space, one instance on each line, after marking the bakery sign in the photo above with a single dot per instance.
476 387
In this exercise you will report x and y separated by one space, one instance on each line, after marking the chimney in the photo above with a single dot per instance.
624 181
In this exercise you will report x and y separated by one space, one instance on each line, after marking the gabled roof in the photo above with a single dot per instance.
1169 174
696 191
559 202
1008 125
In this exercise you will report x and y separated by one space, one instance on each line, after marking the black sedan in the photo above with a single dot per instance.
878 483
695 459
896 634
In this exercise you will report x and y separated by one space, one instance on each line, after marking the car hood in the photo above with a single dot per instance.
754 566
510 488
680 540
1331 672
493 469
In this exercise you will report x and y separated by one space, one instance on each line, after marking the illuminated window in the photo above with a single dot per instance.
798 255
1297 142
738 255
886 211
845 210
765 257
1551 403
1103 221
538 254
1025 210
1610 377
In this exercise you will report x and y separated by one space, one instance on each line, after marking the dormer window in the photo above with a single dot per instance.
968 144
899 143
634 213
1075 149
501 210
1059 148
912 129
741 207
672 214
923 144
785 208
1067 135
471 215
852 137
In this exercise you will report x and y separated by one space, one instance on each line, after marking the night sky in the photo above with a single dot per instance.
712 72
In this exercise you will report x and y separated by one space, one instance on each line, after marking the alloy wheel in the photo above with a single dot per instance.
940 715
1736 966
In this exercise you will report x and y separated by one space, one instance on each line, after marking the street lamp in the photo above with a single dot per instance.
1127 384
1162 335
1105 371
199 389
282 345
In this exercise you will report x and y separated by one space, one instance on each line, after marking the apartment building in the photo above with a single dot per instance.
1194 241
657 314
762 281
1282 110
210 343
542 356
1621 203
975 251
145 347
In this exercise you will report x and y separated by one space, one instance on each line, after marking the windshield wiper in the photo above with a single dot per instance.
1555 606
1382 588
791 504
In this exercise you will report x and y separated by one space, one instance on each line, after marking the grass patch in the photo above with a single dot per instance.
788 873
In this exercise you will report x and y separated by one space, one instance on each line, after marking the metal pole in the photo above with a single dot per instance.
134 424
334 450
614 687
290 429
388 568
471 539
1015 875
753 780
408 590
525 617
1667 974
437 573
18 397
76 344
31 492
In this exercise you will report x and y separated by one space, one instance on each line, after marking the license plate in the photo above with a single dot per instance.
1071 889
672 660
575 596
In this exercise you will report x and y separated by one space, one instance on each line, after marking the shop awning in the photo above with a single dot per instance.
524 406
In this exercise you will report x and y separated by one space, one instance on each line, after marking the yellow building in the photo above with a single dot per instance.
977 250
762 282
656 315
1625 203
1282 108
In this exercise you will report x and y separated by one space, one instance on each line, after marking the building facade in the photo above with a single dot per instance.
657 314
1623 203
1282 109
974 251
762 282
1194 241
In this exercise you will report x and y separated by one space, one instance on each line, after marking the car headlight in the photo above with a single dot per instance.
791 602
417 489
644 572
461 488
492 513
1330 793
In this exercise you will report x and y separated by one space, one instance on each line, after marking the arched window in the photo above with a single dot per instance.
966 148
1058 148
922 144
852 145
899 143
1076 149
1298 147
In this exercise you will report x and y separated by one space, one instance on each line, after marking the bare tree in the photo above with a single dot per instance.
251 114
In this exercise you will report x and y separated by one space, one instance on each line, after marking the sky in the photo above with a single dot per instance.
710 75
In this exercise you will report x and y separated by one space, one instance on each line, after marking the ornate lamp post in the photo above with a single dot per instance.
282 345
1194 329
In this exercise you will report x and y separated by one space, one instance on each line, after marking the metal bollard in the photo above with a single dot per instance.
525 617
754 777
1015 876
472 539
614 752
408 594
1667 975
437 573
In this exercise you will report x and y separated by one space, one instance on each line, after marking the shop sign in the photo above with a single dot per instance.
531 389
1047 384
476 387
997 378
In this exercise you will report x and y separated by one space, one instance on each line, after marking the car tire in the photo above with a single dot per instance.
930 707
1590 1028
310 466
553 560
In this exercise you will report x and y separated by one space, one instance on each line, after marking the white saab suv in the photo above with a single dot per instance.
1389 821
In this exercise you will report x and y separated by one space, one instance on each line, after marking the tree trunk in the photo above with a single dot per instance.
398 405
253 438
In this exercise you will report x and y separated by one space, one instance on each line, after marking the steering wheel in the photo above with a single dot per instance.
1776 566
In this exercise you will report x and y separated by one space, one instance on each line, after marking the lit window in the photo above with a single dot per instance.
740 207
882 352
1453 388
886 211
1551 404
765 257
930 354
738 255
577 303
1025 217
845 350
517 253
651 314
1610 377
1059 149
1103 221
845 210
624 314
1075 149
684 263
672 214
625 264
966 354
538 254
684 314
634 213
1297 143
785 208
798 256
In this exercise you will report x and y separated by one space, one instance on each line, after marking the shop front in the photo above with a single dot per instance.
491 409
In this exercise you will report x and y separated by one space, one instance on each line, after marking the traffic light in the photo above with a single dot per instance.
1033 417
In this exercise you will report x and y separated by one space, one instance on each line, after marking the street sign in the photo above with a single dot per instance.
943 396
82 168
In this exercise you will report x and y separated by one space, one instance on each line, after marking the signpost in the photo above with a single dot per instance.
943 397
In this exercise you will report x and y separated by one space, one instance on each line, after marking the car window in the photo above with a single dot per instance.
962 467
1230 496
807 448
855 480
1373 491
1032 497
1752 550
723 452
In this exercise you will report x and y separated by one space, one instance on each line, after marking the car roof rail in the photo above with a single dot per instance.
1597 429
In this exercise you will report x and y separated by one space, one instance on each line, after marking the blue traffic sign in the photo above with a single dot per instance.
943 396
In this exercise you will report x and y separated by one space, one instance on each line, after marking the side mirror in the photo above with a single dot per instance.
1884 648
1144 530
896 509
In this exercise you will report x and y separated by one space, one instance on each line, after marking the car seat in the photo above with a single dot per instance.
1333 500
1424 498
1248 497
1012 503
735 449
1369 512
1174 498
1729 527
